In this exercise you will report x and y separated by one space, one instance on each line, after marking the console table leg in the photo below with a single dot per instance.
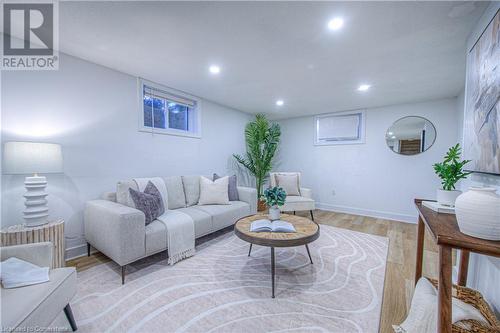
463 268
309 253
420 249
272 268
444 290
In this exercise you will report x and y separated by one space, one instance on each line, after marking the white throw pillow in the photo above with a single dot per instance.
288 182
422 317
214 192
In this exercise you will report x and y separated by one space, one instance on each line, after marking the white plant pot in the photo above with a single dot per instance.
478 213
274 213
447 198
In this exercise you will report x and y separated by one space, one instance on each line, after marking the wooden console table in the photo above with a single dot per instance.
445 232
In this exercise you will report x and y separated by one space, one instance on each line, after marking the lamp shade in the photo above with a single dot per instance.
32 157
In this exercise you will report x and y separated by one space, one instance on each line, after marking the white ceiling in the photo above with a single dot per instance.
407 51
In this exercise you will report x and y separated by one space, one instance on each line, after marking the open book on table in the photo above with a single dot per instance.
265 225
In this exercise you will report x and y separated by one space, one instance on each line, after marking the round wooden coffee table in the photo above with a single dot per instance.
307 232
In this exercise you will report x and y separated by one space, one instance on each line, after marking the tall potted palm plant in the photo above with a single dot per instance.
262 139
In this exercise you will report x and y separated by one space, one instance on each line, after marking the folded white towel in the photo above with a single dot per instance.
15 273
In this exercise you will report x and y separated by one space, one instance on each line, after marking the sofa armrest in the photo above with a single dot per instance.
116 230
306 192
248 195
39 254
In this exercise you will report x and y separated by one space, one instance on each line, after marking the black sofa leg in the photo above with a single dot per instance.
88 250
71 319
293 212
312 216
123 274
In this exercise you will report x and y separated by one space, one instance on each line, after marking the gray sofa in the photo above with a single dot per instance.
38 307
116 228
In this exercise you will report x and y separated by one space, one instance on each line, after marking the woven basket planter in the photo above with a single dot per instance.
474 298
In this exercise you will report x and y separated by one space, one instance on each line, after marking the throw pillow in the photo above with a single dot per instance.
289 182
149 202
123 194
232 187
214 192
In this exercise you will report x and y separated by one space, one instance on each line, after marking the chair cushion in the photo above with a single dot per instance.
289 182
175 189
225 215
214 192
297 203
38 305
202 221
156 237
191 189
123 194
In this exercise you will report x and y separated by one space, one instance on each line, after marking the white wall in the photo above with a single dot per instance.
370 179
484 271
92 111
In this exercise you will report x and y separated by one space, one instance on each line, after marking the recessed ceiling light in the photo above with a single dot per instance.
214 69
336 23
364 87
280 102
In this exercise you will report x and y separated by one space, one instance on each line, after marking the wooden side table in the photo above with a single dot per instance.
51 232
445 232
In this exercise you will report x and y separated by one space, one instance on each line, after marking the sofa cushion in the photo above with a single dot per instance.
123 194
232 187
175 189
225 215
38 305
214 192
202 221
156 237
191 189
297 203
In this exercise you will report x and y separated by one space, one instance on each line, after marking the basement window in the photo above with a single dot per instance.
340 128
165 111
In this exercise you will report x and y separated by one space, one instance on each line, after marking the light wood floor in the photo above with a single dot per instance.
400 261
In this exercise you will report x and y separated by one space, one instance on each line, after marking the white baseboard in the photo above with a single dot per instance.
368 212
77 252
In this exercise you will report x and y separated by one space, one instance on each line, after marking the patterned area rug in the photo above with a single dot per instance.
221 289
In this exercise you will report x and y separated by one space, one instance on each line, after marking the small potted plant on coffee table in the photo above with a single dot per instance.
274 198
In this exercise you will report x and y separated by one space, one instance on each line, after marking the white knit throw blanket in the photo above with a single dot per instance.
179 225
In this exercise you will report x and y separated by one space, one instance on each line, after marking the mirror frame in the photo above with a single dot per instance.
430 122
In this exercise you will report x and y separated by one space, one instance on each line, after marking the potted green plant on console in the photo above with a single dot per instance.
274 197
262 139
450 171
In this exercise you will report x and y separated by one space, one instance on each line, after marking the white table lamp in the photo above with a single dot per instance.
33 158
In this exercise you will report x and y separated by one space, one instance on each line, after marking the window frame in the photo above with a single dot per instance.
361 128
194 115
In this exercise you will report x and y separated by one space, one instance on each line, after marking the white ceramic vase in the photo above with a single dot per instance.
447 198
274 213
478 213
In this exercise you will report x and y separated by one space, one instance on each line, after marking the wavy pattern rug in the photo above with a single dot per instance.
221 289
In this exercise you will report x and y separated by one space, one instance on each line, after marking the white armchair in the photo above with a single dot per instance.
295 203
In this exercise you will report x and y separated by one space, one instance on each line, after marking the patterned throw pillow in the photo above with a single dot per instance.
149 202
232 187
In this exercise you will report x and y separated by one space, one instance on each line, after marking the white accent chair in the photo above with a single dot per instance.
295 203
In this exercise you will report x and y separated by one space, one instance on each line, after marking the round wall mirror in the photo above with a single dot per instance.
410 135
